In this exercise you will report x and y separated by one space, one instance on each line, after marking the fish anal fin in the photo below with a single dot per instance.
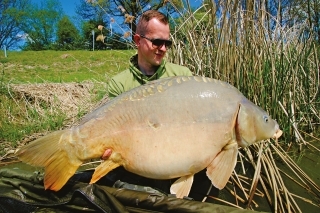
114 161
182 186
220 169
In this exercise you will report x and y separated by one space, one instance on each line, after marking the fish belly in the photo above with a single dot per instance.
166 135
165 129
173 151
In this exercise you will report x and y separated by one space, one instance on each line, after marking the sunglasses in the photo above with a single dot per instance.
157 43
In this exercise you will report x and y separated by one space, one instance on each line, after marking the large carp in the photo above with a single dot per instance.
169 128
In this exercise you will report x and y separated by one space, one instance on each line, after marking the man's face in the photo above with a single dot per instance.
150 54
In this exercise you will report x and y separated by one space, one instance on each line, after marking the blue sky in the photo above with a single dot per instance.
69 6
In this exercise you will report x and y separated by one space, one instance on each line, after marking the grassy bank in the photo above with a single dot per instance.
61 66
25 114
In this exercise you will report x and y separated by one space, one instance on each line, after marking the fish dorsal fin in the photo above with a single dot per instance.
106 166
182 186
220 169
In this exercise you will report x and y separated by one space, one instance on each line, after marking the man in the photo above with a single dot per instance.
152 39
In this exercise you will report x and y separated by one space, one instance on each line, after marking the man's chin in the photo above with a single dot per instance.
158 61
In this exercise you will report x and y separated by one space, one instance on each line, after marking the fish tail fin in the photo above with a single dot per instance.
50 152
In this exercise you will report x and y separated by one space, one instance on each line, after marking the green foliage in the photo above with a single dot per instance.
118 42
309 10
128 11
10 31
87 28
103 38
67 34
40 24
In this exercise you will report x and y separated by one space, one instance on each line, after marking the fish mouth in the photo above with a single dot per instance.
277 134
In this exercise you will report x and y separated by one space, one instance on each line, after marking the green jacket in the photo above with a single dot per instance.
133 77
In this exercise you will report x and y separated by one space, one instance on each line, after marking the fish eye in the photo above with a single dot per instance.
266 118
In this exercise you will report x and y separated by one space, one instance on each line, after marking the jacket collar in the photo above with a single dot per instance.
134 68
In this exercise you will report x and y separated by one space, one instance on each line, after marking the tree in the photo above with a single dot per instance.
10 29
87 28
40 24
301 11
67 34
127 10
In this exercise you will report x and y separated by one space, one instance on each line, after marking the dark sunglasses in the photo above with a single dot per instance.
157 43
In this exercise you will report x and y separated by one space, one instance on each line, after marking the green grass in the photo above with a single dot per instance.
20 119
62 66
18 126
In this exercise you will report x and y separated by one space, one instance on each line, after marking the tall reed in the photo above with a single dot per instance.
269 63
275 66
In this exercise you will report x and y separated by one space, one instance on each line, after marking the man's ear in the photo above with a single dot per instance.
136 39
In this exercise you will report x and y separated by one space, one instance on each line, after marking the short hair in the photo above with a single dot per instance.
146 17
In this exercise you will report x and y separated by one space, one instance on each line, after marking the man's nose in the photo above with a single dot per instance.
163 48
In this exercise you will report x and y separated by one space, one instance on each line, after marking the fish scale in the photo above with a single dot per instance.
169 128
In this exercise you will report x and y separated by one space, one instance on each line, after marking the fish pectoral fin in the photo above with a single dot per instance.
104 168
182 186
220 169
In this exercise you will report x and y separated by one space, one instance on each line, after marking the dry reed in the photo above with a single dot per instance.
274 67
